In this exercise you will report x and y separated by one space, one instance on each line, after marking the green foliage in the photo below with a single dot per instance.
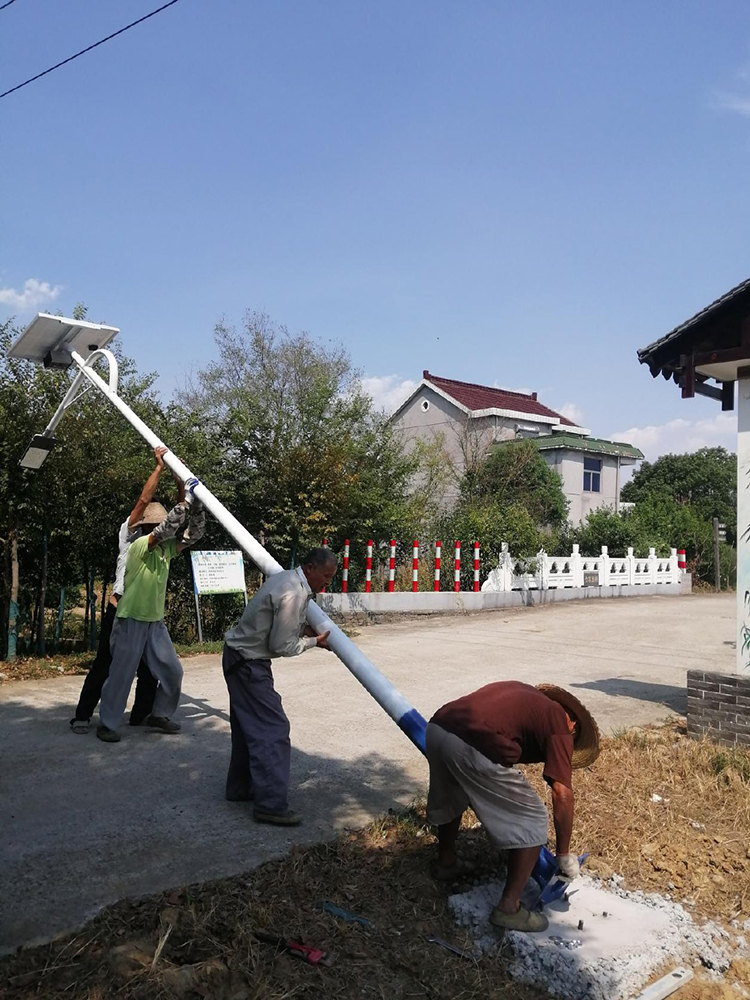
705 480
659 521
85 488
490 524
515 473
300 449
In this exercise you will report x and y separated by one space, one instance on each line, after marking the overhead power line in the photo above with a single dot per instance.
4 5
88 48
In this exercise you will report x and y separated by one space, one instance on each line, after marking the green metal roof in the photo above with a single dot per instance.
574 442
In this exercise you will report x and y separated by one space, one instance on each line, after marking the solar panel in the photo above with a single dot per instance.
46 334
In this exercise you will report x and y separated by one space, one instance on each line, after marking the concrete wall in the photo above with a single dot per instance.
568 465
446 602
459 433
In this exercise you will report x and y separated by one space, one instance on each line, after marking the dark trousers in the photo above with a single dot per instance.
91 691
261 748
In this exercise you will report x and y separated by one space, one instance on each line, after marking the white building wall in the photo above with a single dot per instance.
569 466
460 435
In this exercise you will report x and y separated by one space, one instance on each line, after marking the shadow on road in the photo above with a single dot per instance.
86 823
672 697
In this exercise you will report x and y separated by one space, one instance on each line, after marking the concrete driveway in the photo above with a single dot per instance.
86 823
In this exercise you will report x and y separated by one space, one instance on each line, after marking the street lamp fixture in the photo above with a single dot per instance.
37 451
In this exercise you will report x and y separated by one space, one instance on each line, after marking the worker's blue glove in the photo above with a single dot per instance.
190 496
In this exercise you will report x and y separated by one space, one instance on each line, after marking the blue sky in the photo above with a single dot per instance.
519 194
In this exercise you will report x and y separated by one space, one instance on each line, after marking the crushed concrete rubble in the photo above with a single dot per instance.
612 956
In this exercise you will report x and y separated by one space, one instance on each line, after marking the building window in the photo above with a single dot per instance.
425 405
592 475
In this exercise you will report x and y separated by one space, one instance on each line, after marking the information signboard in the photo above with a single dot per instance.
218 572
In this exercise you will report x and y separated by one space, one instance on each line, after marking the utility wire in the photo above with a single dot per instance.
88 48
3 6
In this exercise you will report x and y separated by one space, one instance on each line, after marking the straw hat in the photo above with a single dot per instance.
153 514
586 746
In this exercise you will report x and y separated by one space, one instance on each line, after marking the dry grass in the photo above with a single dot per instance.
34 668
198 941
695 842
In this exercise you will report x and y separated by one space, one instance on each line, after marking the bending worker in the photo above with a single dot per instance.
139 631
472 746
143 517
272 625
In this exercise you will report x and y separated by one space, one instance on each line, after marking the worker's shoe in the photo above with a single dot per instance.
288 818
522 920
80 726
159 722
107 735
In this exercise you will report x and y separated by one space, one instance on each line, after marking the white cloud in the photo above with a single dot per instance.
681 436
733 102
388 392
35 293
736 99
573 412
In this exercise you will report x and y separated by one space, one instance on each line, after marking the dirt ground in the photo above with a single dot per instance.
693 842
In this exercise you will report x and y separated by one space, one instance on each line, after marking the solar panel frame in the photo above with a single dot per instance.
48 333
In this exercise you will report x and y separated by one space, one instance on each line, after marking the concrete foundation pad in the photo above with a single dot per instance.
608 958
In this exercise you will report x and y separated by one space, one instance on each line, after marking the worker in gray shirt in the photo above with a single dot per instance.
272 624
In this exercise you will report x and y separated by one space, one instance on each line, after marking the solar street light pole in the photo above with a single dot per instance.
381 689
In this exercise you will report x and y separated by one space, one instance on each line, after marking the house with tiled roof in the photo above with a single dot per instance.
468 419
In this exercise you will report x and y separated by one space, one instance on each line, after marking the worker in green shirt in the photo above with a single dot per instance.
139 630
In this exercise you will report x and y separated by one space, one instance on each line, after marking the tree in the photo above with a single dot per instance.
297 442
515 473
706 480
74 504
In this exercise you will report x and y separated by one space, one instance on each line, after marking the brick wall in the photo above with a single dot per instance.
718 706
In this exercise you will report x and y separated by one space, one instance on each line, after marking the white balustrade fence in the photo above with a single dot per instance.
545 572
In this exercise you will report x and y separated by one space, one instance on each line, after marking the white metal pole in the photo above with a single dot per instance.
385 693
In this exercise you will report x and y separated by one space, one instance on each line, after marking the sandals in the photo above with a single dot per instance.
80 726
443 873
530 921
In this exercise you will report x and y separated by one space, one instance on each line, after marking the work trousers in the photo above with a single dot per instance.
132 640
91 691
261 749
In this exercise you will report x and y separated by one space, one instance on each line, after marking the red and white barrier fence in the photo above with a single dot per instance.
345 571
552 571
325 546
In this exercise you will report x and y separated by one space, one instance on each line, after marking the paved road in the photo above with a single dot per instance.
86 823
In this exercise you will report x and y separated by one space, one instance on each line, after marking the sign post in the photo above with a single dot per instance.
720 535
221 572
